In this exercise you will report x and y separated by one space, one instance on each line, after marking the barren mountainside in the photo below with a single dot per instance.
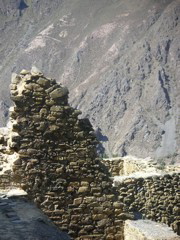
119 59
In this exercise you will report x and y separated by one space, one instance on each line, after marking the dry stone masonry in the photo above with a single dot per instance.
58 164
51 154
154 197
114 165
7 157
147 191
126 165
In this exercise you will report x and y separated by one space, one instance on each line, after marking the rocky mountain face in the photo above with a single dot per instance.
119 59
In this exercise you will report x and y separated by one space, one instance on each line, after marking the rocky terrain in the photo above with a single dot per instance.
120 60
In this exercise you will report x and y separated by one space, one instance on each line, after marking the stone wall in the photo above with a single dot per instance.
5 181
132 165
154 197
7 157
52 154
115 166
58 164
127 165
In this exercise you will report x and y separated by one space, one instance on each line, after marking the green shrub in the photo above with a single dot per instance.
161 164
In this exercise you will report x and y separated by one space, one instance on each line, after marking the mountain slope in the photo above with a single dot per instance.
119 59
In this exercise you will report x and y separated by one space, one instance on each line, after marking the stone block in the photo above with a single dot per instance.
59 93
78 201
99 217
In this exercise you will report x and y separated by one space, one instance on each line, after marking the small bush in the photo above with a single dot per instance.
104 155
115 155
161 164
172 162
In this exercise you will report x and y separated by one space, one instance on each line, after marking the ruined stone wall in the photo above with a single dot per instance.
128 165
5 178
115 166
57 163
53 154
7 157
156 198
132 165
5 181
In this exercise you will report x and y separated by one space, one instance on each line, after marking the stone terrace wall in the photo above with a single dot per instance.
114 165
126 165
57 163
132 165
156 198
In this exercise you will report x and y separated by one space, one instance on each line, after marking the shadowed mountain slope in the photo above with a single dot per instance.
120 60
